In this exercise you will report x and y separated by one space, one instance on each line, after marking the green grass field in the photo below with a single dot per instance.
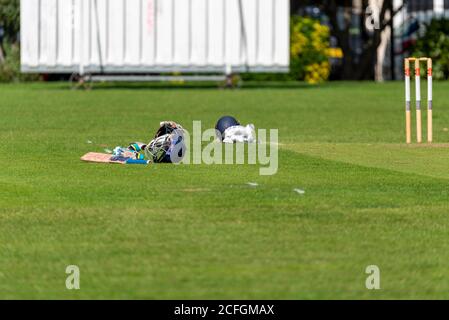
200 231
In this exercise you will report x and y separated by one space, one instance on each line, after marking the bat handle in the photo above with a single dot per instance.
137 161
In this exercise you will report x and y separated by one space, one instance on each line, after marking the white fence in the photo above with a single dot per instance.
143 36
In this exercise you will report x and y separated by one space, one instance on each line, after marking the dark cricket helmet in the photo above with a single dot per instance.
223 123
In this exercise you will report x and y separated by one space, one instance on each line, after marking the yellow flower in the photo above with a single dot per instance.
309 45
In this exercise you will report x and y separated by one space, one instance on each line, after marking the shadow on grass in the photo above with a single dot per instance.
246 85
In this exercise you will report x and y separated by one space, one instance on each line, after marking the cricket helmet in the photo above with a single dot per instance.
223 123
168 144
167 127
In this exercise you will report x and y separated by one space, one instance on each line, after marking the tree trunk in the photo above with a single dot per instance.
363 69
2 56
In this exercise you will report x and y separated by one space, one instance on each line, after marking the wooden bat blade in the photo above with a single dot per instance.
108 158
102 158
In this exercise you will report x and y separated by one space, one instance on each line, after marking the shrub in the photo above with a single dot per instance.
10 68
10 18
309 53
435 44
309 48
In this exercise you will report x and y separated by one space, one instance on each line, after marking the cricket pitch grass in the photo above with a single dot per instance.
201 231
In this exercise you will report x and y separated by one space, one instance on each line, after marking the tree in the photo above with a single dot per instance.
356 66
435 43
10 18
363 67
9 23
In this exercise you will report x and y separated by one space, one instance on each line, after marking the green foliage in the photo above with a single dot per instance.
10 68
435 44
309 53
309 49
10 18
10 21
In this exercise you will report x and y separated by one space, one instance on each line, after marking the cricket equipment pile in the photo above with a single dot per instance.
167 146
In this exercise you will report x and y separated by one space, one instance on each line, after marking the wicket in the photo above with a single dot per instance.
408 130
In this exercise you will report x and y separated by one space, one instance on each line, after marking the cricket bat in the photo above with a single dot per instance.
107 158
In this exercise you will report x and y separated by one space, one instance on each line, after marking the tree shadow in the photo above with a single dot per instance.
245 85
